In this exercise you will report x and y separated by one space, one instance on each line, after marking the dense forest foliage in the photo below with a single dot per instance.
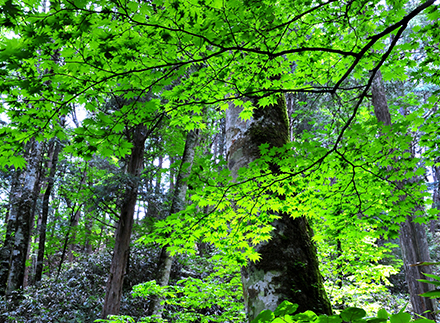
219 161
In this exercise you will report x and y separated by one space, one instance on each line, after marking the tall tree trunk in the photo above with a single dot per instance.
11 226
288 269
37 189
24 213
88 243
178 203
115 281
436 194
45 210
413 239
72 238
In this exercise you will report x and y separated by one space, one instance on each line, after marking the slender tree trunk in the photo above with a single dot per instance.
435 195
178 203
413 239
88 244
115 281
24 210
72 238
45 210
288 269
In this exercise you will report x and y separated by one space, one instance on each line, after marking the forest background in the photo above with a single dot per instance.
197 161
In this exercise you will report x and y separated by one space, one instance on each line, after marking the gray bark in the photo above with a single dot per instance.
288 269
413 239
24 214
178 203
11 226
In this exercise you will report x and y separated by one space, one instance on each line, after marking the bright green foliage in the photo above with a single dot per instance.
351 314
169 61
436 282
215 298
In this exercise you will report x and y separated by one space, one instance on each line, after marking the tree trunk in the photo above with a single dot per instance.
413 239
178 203
45 210
115 281
288 269
11 226
435 195
24 213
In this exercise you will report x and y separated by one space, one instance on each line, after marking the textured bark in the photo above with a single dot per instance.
413 239
45 210
24 214
178 203
115 281
288 269
11 226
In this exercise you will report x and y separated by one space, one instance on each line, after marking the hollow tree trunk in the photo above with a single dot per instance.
413 239
178 203
24 213
288 269
115 281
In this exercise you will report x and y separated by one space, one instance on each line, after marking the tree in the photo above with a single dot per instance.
412 236
56 147
125 224
288 267
21 217
165 260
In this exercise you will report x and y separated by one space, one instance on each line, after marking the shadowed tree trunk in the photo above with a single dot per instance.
288 268
45 210
24 213
413 239
115 281
178 203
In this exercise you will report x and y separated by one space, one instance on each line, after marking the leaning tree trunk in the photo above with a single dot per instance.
24 215
413 239
288 269
177 204
45 210
113 294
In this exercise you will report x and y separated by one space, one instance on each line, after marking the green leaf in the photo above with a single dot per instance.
307 316
329 319
383 314
377 320
352 313
264 316
285 308
400 318
431 294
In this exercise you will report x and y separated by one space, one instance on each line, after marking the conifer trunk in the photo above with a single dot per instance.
413 239
115 281
288 269
178 203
